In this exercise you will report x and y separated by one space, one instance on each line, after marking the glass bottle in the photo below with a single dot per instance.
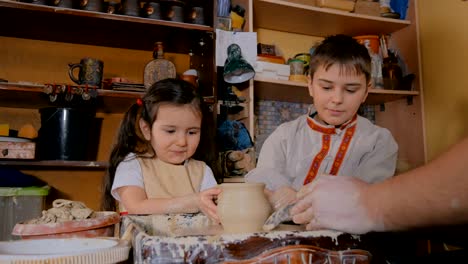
391 72
159 68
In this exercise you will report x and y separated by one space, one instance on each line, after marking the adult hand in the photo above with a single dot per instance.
206 204
336 202
281 197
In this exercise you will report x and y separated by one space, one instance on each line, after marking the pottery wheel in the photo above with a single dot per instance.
217 230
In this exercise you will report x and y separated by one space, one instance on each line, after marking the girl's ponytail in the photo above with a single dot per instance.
129 139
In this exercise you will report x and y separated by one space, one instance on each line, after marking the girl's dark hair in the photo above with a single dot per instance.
130 138
344 51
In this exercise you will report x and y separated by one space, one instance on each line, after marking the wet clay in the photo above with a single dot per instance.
243 207
217 230
63 210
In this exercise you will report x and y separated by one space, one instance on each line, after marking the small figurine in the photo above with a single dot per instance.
386 10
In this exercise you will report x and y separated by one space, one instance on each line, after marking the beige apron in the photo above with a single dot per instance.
165 180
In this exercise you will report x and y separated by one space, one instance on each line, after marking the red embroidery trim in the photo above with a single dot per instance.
342 150
318 159
321 129
328 131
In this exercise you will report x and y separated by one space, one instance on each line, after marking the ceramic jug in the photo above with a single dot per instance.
243 207
91 71
152 9
91 5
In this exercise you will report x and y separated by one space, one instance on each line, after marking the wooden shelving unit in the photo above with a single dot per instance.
295 17
42 22
400 111
55 28
289 91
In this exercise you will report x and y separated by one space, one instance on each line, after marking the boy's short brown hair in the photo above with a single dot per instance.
343 50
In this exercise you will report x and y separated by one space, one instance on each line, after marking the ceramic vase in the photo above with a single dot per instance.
243 207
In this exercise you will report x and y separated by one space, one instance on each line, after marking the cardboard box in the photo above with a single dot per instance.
275 68
366 7
271 69
17 150
345 5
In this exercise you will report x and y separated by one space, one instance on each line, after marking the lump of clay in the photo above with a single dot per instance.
62 211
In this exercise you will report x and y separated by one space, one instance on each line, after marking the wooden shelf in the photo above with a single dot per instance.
40 22
56 164
33 97
289 91
287 16
381 96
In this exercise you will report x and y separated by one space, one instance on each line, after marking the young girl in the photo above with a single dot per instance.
332 138
151 170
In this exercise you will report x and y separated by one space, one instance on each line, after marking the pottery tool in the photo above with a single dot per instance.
277 217
127 235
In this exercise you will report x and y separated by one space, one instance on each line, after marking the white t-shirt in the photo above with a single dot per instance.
128 173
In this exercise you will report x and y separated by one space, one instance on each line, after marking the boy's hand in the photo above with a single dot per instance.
206 203
281 197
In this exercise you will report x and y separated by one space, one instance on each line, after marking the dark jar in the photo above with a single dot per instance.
391 73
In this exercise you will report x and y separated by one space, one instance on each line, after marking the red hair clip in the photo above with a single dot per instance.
139 102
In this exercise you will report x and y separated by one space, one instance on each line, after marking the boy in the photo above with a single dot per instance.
331 138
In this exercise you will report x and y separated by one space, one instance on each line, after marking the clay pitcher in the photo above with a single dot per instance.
243 207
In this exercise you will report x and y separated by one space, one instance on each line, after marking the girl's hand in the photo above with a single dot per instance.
206 203
335 202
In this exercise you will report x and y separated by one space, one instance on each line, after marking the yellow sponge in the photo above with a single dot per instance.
4 130
27 131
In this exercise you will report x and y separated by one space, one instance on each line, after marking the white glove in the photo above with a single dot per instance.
336 202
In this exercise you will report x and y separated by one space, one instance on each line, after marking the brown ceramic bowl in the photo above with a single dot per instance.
101 225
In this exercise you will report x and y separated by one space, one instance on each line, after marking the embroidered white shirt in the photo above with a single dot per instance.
288 153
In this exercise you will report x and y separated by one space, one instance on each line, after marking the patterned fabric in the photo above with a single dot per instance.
233 135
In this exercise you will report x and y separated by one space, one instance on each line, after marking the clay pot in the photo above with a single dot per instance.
243 207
